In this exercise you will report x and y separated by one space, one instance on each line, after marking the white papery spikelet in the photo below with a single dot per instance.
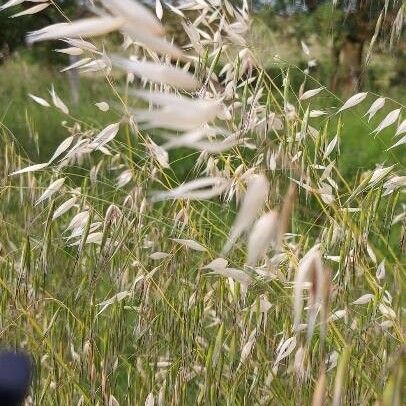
51 190
88 27
261 237
253 202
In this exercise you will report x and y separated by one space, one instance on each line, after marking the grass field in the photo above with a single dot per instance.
38 134
114 292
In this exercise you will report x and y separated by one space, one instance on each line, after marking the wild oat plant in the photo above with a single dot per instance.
260 275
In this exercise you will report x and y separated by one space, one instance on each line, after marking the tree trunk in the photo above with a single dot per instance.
347 57
311 4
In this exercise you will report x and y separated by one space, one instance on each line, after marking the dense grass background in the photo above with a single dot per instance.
175 331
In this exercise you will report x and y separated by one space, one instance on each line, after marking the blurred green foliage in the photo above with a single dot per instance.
13 31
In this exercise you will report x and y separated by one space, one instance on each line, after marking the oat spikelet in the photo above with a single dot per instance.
159 73
253 202
311 271
88 27
263 234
